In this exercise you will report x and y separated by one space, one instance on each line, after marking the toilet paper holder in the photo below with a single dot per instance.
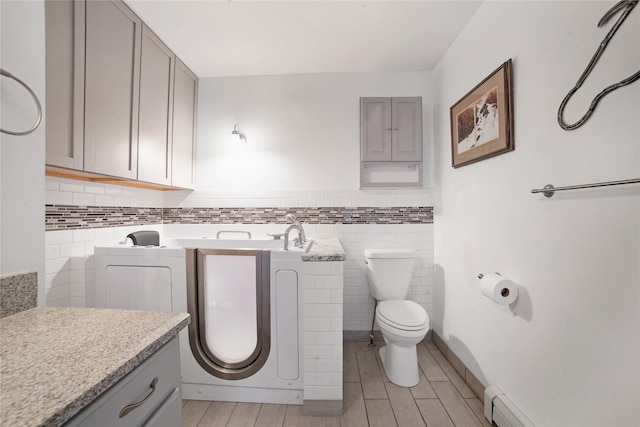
480 276
504 292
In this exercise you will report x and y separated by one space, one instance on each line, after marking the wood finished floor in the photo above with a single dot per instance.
442 399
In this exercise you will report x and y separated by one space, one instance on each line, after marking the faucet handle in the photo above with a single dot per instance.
291 219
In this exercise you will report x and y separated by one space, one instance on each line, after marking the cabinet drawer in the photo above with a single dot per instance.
105 411
169 414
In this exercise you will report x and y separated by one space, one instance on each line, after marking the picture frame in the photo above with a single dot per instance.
482 120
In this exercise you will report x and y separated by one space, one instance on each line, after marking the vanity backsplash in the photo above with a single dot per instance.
18 292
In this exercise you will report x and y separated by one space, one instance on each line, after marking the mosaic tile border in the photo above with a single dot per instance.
68 217
64 217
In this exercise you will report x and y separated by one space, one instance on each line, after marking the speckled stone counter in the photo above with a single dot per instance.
57 360
325 250
18 292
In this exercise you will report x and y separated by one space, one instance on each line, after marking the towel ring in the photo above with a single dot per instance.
35 98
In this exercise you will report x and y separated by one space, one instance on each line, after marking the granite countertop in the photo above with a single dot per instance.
54 361
325 250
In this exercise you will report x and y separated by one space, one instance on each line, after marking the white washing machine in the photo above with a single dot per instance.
155 278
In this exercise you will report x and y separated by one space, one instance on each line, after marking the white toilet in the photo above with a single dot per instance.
403 323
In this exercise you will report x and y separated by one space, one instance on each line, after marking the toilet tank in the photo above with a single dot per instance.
389 272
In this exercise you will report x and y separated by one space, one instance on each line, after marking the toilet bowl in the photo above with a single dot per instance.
403 323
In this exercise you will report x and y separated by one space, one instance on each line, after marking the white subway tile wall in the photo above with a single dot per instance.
322 339
65 248
295 198
63 191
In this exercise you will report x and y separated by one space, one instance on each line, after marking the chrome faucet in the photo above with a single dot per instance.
301 237
291 219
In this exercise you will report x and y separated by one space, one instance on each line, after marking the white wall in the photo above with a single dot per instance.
22 157
303 131
568 352
303 149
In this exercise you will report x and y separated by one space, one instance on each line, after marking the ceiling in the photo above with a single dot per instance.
241 38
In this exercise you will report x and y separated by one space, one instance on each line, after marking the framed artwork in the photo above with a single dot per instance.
482 121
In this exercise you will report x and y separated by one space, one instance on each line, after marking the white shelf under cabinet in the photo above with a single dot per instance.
390 174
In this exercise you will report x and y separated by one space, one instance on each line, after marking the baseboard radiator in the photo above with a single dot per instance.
501 411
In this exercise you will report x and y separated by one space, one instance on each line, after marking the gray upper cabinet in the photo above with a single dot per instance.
375 129
184 115
155 118
64 83
406 120
112 70
120 105
391 142
391 129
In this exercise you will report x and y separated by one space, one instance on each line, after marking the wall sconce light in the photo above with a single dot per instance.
236 135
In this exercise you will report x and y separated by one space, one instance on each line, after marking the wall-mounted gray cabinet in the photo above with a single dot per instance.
391 142
65 83
391 129
111 84
184 121
112 78
155 119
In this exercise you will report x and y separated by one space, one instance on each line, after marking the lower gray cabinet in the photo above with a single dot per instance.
169 414
148 395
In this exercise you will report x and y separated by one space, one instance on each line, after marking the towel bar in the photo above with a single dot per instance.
549 190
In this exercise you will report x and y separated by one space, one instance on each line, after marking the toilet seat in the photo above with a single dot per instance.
403 315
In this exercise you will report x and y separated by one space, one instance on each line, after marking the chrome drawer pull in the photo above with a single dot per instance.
133 406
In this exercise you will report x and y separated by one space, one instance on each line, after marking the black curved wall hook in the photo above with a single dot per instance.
626 6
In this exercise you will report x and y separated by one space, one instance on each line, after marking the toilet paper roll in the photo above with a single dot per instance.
502 291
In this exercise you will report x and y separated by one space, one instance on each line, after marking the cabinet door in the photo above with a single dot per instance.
184 119
406 119
156 102
112 67
64 83
375 129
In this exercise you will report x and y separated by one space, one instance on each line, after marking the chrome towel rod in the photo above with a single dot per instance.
549 190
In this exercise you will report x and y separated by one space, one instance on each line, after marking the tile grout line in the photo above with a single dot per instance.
387 399
454 387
